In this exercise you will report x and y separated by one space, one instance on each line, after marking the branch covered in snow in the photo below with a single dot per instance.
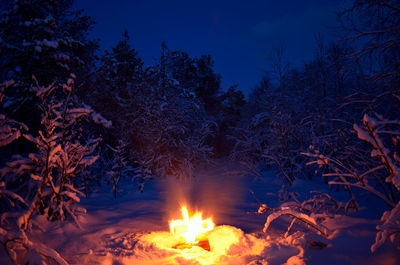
390 228
308 220
47 182
297 212
380 177
10 130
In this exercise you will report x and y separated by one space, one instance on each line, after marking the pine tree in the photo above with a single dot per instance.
44 38
120 80
180 73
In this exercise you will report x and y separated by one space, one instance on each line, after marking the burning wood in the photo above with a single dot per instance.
204 244
191 230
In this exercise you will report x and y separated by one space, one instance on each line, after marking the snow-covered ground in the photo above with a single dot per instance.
133 229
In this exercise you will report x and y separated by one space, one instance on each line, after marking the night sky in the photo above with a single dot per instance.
239 35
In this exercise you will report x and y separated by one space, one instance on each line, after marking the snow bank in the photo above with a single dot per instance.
229 245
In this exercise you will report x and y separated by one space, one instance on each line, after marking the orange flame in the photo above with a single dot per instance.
190 227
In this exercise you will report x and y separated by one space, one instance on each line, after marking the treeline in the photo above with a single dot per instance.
336 117
168 116
315 107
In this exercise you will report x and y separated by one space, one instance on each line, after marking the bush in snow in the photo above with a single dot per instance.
381 177
47 182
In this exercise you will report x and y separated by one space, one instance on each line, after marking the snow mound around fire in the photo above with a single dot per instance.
228 244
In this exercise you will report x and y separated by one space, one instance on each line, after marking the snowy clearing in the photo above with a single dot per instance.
134 228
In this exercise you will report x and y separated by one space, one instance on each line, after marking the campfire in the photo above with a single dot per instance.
191 230
197 240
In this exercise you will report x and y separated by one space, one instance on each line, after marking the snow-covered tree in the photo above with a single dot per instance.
119 77
47 39
380 177
47 182
44 38
10 130
271 133
120 167
162 121
305 105
169 134
195 76
230 113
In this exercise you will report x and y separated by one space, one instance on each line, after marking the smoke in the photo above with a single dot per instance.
217 193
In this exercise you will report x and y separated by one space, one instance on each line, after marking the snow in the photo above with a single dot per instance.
299 216
134 228
229 245
99 119
7 83
49 44
389 228
7 134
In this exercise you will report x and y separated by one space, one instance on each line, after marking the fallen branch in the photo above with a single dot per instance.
304 218
308 220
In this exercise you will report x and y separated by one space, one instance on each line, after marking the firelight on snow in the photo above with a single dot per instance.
194 240
191 228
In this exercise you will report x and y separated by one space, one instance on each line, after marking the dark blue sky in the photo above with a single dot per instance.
238 34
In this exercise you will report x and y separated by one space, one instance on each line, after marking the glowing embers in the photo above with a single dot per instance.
191 230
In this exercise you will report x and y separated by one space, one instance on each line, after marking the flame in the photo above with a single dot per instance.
190 227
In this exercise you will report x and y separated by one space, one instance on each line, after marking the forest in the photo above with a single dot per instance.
83 128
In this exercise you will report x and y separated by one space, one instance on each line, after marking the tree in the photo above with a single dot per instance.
155 111
280 66
193 76
375 26
121 68
48 181
379 174
208 86
119 164
232 103
44 38
119 81
169 133
10 130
